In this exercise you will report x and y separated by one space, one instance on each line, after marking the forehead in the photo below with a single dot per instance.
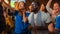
21 3
42 5
56 4
33 3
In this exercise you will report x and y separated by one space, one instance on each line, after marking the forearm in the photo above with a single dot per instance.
8 6
49 3
48 7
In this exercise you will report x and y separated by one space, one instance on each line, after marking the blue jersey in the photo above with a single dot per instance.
20 26
57 25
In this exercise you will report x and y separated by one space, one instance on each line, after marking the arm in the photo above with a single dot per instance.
48 6
8 6
25 19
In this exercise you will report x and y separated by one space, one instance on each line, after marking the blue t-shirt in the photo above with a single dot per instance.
20 26
57 25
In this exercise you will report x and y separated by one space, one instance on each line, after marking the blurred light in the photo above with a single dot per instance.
22 0
6 1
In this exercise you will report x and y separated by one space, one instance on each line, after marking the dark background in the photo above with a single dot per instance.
42 1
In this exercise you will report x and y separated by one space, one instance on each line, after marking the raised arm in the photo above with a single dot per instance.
48 6
8 6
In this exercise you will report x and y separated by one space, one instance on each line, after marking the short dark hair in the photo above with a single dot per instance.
38 4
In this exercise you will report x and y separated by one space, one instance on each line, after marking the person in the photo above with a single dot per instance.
55 8
21 22
54 12
57 25
43 10
2 20
9 23
37 19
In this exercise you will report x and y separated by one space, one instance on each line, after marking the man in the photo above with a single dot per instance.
21 22
55 8
37 19
54 12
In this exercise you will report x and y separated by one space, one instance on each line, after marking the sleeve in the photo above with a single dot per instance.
27 14
49 9
31 19
48 18
57 25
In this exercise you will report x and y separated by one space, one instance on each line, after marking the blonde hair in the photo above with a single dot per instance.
16 5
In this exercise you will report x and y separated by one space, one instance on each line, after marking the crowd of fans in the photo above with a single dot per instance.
20 20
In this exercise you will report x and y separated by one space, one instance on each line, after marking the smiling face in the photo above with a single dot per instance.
56 7
34 6
21 5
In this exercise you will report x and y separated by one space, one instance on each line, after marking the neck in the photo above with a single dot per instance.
41 10
36 12
30 11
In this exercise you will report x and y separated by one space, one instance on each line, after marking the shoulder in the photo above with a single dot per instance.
27 13
58 17
16 12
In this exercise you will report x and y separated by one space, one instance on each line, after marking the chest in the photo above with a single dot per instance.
40 16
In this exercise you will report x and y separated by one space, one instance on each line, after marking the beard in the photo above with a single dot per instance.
35 10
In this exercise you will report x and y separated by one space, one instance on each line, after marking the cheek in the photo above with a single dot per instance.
20 7
57 10
43 8
54 8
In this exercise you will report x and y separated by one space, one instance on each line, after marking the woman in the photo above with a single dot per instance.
43 10
21 22
54 12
